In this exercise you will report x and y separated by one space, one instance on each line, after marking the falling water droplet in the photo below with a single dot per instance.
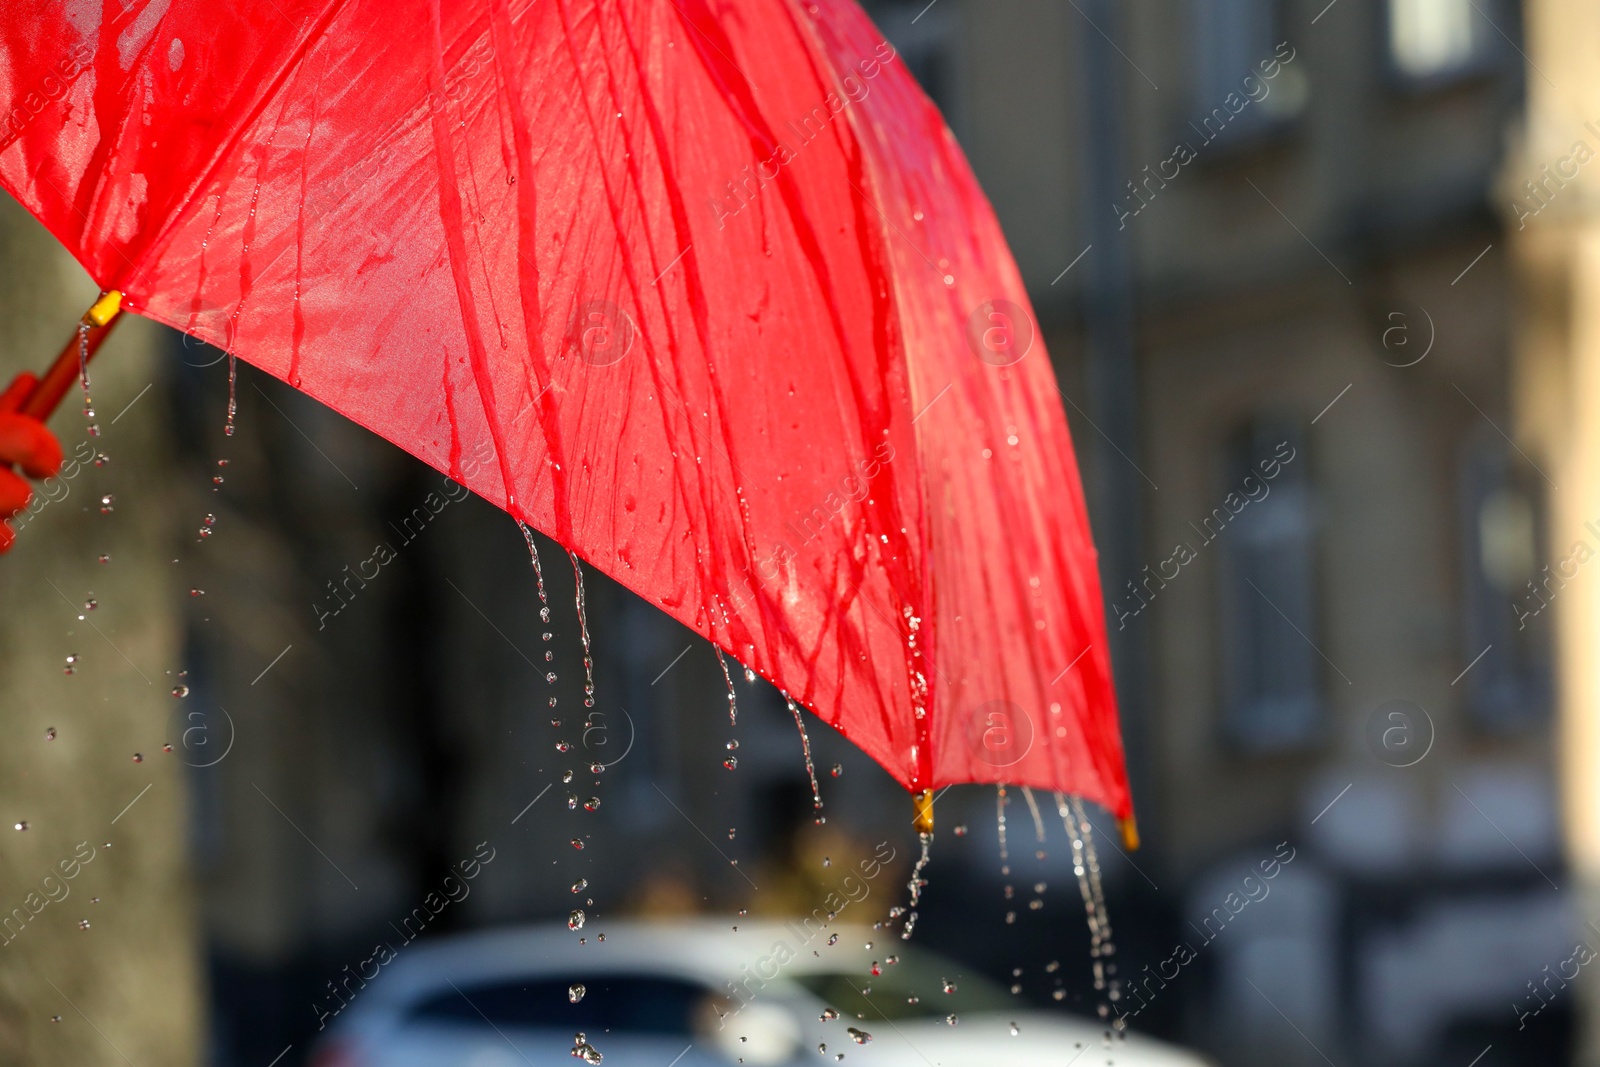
592 804
597 768
572 802
951 1019
876 968
101 459
949 986
90 604
732 763
21 825
104 558
822 1048
828 1015
576 920
733 699
108 504
960 831
805 747
1014 1030
233 392
838 769
732 745
83 924
917 883
71 666
180 690
860 1037
750 676
566 777
563 746
577 843
827 861
50 733
580 885
583 632
138 757
584 1051
575 992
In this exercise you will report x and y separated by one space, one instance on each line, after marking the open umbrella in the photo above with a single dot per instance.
711 281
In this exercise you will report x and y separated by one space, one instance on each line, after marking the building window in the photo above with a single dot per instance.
1430 39
1507 590
1272 669
1232 39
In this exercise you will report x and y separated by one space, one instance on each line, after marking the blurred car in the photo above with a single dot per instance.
702 995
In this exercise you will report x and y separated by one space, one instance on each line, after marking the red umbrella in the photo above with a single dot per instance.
711 281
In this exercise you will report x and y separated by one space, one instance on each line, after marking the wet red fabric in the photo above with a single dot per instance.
698 288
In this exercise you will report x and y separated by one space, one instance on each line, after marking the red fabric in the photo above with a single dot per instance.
444 219
30 445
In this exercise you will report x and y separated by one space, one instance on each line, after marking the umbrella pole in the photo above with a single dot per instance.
100 318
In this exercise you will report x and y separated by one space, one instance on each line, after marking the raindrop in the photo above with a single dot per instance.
828 1015
21 825
566 777
951 1019
733 700
583 633
50 733
876 969
55 1018
562 746
731 832
576 920
833 939
108 504
827 861
838 769
822 1048
83 924
167 747
732 763
805 747
860 1037
138 757
732 745
575 992
949 986
580 885
105 558
71 666
180 690
891 960
913 999
101 459
960 831
233 392
572 802
544 596
197 592
577 843
597 768
1014 1030
90 604
592 804
584 1051
750 676
916 884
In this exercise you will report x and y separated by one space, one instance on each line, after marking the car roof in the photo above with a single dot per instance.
710 951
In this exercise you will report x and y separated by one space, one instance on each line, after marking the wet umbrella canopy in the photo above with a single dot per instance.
708 287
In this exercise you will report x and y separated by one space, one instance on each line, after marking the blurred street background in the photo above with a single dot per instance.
1321 282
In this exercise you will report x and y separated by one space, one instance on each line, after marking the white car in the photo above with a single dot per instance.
696 994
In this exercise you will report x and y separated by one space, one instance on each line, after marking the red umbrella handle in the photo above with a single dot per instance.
100 318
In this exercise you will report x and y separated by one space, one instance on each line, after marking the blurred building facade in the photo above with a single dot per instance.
1276 249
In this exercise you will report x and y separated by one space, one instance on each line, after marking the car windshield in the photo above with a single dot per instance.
906 991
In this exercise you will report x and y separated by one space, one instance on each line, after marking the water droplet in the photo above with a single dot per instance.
55 1018
749 675
951 1019
597 768
577 843
90 604
877 969
1014 1030
592 804
949 986
732 763
576 920
838 769
822 1048
960 831
167 747
566 777
732 745
71 666
572 802
180 690
580 885
104 558
575 992
562 746
827 861
828 1015
833 939
197 592
50 733
83 924
860 1037
138 757
20 825
108 504
584 1051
